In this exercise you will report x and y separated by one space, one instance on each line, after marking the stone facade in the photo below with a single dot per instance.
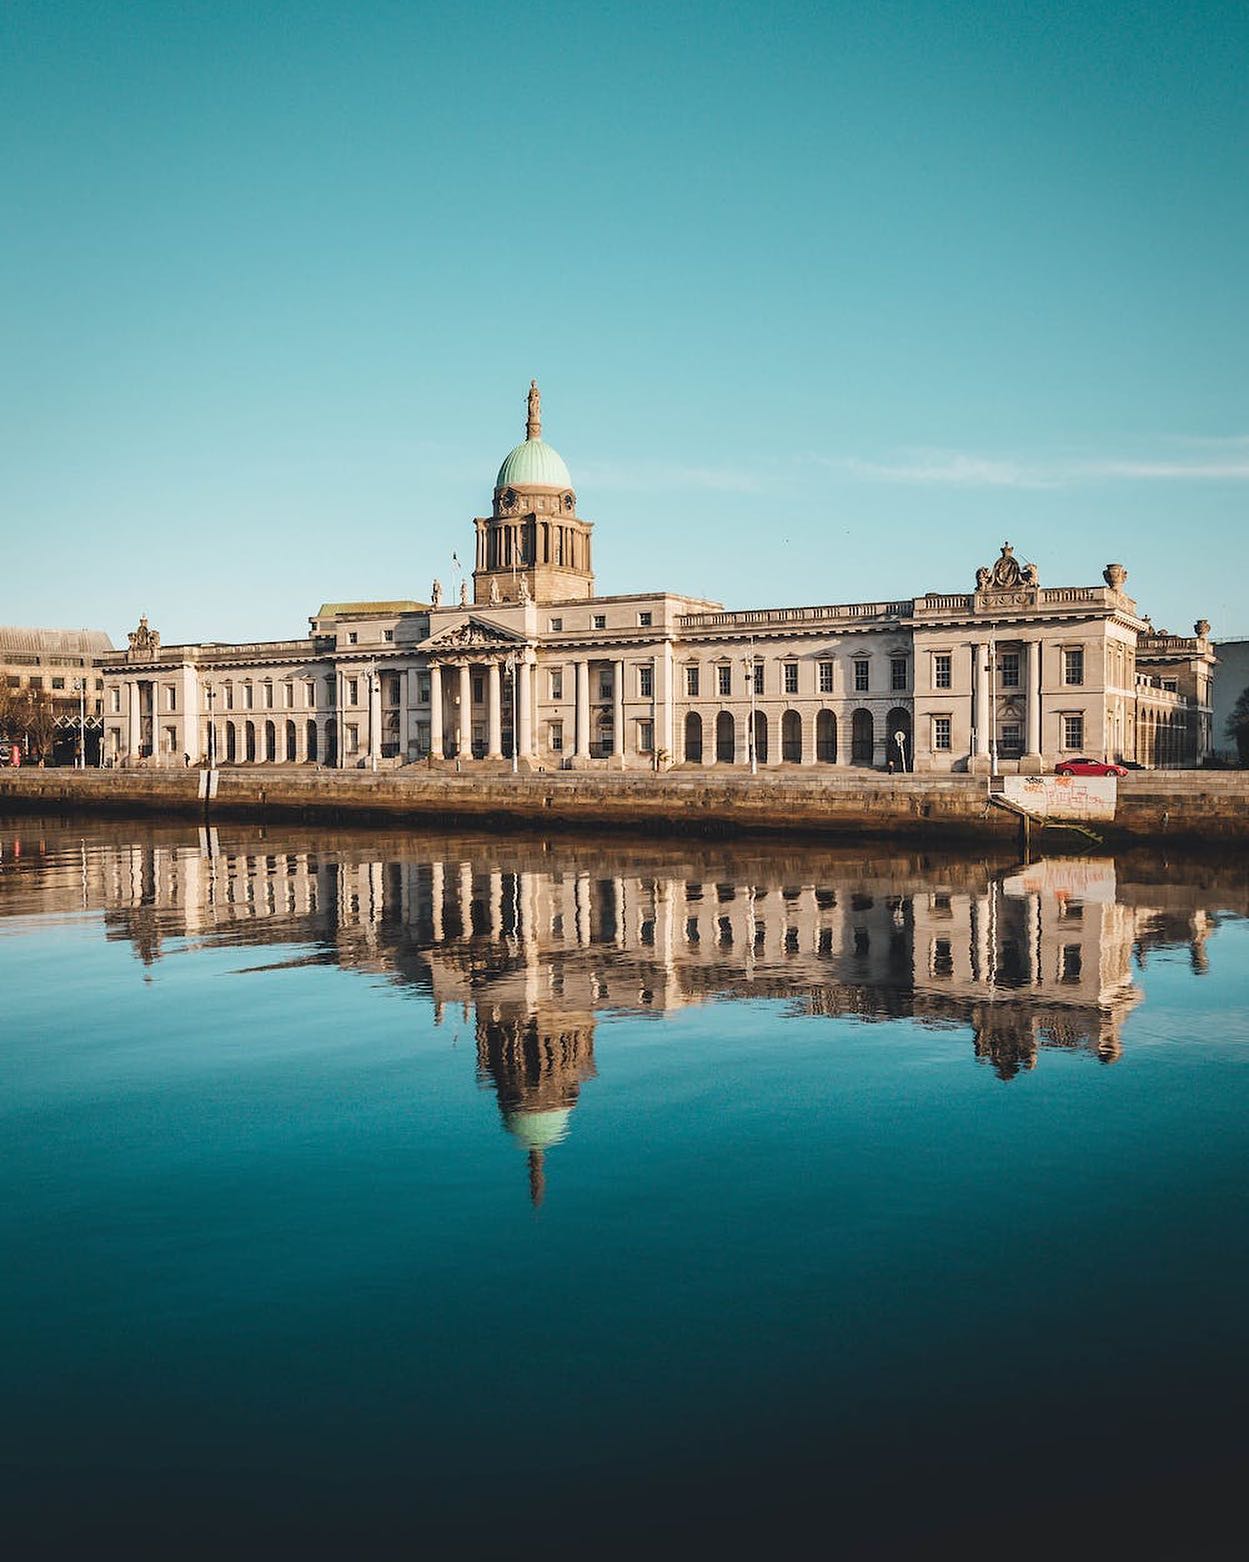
541 672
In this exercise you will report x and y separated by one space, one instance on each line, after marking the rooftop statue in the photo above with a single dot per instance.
533 424
435 594
144 641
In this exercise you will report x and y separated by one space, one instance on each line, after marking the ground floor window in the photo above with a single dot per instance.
555 737
646 737
942 738
1011 743
1073 732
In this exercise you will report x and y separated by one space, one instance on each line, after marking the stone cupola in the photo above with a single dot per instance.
533 543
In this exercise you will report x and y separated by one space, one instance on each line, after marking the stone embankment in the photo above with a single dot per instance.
1199 808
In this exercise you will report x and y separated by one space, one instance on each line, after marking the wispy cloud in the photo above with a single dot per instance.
1223 460
934 468
653 477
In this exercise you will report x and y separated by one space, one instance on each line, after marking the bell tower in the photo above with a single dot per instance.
533 543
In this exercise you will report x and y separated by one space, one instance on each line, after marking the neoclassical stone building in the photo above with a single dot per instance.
539 671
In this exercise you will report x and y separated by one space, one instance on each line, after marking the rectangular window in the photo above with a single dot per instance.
724 680
600 620
388 634
229 696
791 677
352 637
691 682
114 702
860 678
646 737
556 625
288 696
826 677
1073 732
941 734
557 683
1008 669
758 677
1073 667
897 674
171 696
267 691
604 686
1012 738
556 737
247 696
942 670
353 738
353 691
644 620
479 690
646 682
310 695
422 688
58 683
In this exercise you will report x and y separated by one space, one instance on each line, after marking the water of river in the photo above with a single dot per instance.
389 1194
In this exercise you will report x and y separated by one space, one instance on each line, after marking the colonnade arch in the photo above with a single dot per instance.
693 738
791 738
826 737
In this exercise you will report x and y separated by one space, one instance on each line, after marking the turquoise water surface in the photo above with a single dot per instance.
392 1194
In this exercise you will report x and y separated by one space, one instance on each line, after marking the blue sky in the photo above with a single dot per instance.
825 301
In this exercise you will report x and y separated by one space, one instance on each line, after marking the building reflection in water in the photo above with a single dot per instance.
532 940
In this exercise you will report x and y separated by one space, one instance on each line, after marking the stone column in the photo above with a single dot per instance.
1033 751
435 710
980 674
375 714
667 737
582 672
618 717
464 741
524 717
494 707
132 701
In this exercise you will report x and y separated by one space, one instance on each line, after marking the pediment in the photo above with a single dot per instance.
471 633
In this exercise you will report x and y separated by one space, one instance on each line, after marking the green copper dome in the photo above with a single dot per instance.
534 464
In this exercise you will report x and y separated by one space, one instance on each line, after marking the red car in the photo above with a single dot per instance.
1089 767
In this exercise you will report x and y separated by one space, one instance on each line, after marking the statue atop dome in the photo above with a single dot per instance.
533 424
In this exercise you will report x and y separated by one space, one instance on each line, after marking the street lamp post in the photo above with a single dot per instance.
899 738
81 685
749 664
374 702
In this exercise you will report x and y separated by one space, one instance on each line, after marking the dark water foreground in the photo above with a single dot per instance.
385 1195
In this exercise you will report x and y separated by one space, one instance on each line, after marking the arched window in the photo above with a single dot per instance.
862 738
726 738
693 738
271 742
826 738
791 738
331 742
232 744
249 741
312 741
290 743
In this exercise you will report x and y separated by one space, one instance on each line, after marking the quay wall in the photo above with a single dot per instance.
1197 808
